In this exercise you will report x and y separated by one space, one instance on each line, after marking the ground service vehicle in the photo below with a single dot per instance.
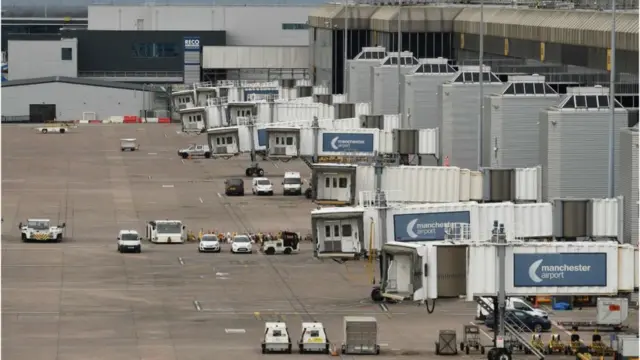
55 128
166 231
209 243
286 244
533 323
129 144
254 170
260 186
129 240
241 244
276 338
513 303
313 339
41 230
234 187
292 183
195 150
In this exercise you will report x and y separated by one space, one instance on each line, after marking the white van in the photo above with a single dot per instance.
513 303
292 183
261 186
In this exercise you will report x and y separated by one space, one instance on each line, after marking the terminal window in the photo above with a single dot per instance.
154 50
289 26
66 54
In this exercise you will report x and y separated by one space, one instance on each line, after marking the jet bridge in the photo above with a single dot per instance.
334 184
184 99
226 142
338 232
194 120
282 143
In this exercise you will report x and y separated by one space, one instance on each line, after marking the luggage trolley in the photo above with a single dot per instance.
471 339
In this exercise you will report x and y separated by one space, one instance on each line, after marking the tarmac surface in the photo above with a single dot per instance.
81 299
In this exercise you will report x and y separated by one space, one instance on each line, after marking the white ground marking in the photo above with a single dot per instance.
167 186
235 331
152 153
200 200
196 303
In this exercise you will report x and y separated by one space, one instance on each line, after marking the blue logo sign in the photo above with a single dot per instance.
346 142
426 226
192 43
262 137
259 94
564 269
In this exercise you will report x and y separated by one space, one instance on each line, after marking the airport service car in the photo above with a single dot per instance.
209 243
241 244
129 240
516 317
234 187
292 183
260 186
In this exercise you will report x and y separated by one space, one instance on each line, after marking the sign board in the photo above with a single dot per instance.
426 226
608 59
262 137
560 269
542 51
506 47
461 40
259 94
192 43
346 159
347 142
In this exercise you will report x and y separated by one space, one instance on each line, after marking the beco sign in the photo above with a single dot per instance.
192 43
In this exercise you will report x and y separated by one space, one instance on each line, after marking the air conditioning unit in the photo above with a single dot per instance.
278 150
221 149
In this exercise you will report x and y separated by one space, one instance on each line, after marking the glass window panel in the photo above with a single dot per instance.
519 88
580 101
528 88
569 104
592 101
539 88
509 90
603 101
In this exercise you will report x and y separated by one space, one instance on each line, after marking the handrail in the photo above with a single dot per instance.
130 74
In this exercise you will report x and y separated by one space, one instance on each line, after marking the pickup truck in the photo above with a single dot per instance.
195 150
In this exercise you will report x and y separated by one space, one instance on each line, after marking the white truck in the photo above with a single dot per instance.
129 240
276 338
195 150
292 183
41 230
129 144
55 128
166 231
287 243
313 339
513 303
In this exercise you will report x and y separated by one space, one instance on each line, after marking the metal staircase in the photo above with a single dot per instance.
514 329
307 160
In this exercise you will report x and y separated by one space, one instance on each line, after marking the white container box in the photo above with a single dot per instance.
533 220
422 184
502 212
539 268
626 261
612 311
605 218
528 183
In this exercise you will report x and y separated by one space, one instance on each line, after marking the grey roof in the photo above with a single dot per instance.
77 81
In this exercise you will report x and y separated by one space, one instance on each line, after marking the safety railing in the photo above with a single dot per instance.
131 74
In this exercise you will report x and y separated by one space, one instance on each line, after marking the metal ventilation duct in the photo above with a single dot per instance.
406 141
323 99
499 185
372 121
344 111
305 91
571 218
288 83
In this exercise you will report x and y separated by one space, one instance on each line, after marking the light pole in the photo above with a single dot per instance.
612 100
345 41
481 61
399 69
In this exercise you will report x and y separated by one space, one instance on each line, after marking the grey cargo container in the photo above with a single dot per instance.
510 124
359 83
421 92
385 82
459 108
574 144
627 180
360 335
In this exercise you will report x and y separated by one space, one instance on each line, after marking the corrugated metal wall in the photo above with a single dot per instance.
33 58
511 127
627 180
255 57
573 151
72 100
